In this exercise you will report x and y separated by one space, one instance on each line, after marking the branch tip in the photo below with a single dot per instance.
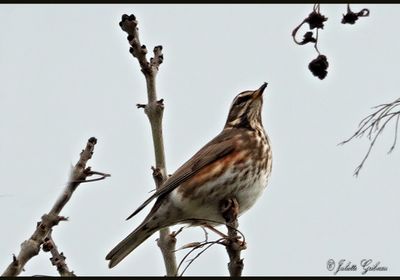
153 111
92 140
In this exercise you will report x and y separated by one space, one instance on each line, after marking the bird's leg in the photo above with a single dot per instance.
230 211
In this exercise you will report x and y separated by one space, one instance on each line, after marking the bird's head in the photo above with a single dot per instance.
245 111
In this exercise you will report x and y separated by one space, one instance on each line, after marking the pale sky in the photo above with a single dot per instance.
66 75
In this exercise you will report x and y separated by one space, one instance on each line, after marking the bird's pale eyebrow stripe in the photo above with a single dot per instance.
246 93
243 96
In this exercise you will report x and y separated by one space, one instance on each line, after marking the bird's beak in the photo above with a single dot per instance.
259 91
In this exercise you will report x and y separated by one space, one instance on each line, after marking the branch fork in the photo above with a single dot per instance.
31 246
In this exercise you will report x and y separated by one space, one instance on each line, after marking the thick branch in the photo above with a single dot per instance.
154 110
31 247
57 259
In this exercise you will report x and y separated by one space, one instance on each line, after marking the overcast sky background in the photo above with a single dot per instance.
66 75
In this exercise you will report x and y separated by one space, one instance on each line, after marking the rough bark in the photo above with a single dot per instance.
57 259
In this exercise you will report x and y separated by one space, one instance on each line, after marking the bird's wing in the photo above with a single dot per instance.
217 148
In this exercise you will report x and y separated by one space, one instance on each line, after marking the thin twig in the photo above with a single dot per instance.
316 42
91 173
154 110
231 242
371 126
31 247
395 135
209 243
210 221
294 32
316 9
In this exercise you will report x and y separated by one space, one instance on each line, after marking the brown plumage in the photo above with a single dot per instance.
235 164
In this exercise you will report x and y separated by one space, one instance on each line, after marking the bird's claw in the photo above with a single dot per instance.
235 243
174 234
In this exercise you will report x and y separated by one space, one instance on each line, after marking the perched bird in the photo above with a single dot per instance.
235 164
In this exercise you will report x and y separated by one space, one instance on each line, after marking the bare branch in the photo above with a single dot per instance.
31 247
57 259
230 211
371 126
154 110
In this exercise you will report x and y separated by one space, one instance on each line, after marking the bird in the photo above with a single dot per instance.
236 164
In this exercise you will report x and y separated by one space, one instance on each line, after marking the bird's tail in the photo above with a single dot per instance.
133 240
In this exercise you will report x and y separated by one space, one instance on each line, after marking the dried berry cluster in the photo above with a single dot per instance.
319 66
315 20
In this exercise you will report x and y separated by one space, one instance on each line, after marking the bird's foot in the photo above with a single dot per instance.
174 234
235 243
